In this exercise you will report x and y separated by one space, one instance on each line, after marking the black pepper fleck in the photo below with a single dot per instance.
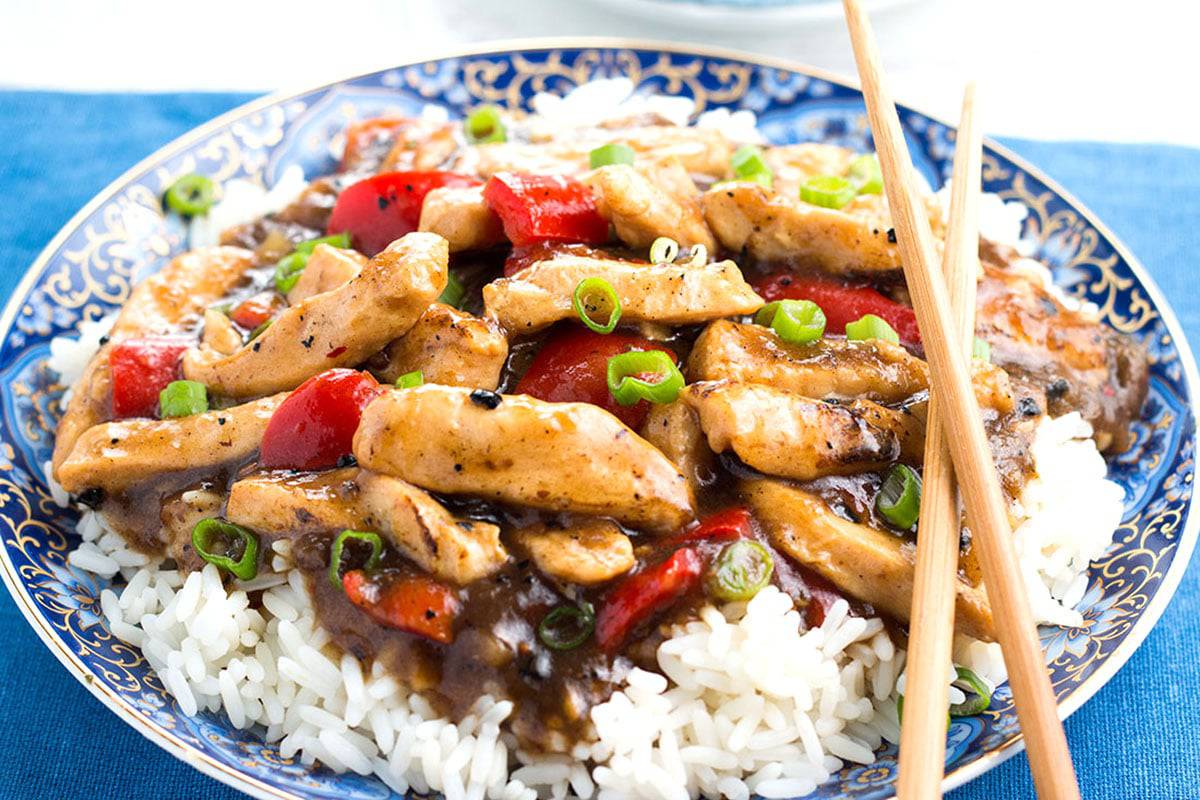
92 498
383 203
1028 407
220 420
104 340
891 235
1057 388
256 346
485 398
308 342
347 460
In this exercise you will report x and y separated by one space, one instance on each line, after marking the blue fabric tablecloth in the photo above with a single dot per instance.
1138 738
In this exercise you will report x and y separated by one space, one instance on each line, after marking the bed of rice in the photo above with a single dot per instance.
717 720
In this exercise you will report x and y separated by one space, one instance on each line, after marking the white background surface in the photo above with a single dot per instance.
1118 70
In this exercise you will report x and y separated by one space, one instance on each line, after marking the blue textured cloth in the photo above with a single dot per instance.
1138 738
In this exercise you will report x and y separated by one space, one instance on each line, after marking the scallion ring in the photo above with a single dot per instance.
698 256
288 270
485 125
609 154
870 326
566 627
827 191
899 498
749 165
664 250
597 297
258 331
238 553
454 292
740 571
981 350
865 174
182 399
411 380
794 321
190 196
339 240
339 546
979 694
627 388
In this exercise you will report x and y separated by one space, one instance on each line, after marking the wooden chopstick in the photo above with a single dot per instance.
923 729
950 379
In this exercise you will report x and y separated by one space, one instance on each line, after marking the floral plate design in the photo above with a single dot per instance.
122 235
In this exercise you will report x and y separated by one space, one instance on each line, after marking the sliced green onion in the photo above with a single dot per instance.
191 195
238 553
899 498
340 240
485 125
827 191
698 255
748 165
628 389
981 349
664 250
411 380
182 399
454 292
288 270
741 570
870 326
258 331
900 711
597 296
607 154
339 545
795 321
224 308
567 627
865 174
979 694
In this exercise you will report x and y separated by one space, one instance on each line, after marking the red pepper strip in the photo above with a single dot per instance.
140 369
414 604
545 208
314 427
821 596
522 257
841 303
379 210
642 595
370 140
572 367
253 312
723 526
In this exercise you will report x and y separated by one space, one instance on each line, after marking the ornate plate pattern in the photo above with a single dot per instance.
121 236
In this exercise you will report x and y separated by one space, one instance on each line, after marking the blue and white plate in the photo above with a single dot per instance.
121 236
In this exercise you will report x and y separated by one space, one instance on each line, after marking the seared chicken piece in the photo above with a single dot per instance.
219 332
586 553
421 145
873 566
793 164
158 305
674 429
116 455
644 203
906 423
327 268
180 514
450 347
830 368
783 433
288 504
462 218
515 449
675 294
1065 358
334 329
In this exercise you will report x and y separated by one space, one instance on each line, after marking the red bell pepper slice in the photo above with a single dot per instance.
572 367
841 303
314 427
254 311
140 369
413 604
380 209
644 594
723 526
544 208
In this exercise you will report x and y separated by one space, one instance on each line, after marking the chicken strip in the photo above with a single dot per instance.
334 329
873 566
645 203
674 429
828 369
219 333
462 218
675 294
327 268
587 553
516 449
161 304
783 433
116 455
288 504
906 423
180 514
450 347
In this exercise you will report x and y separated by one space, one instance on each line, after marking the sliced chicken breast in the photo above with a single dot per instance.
327 269
462 218
675 430
450 347
644 203
586 553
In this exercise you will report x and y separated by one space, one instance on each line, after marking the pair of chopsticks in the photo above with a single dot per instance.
946 323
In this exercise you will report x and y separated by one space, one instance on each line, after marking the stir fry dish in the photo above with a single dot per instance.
523 405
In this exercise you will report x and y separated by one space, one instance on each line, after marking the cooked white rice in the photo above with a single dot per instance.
719 720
